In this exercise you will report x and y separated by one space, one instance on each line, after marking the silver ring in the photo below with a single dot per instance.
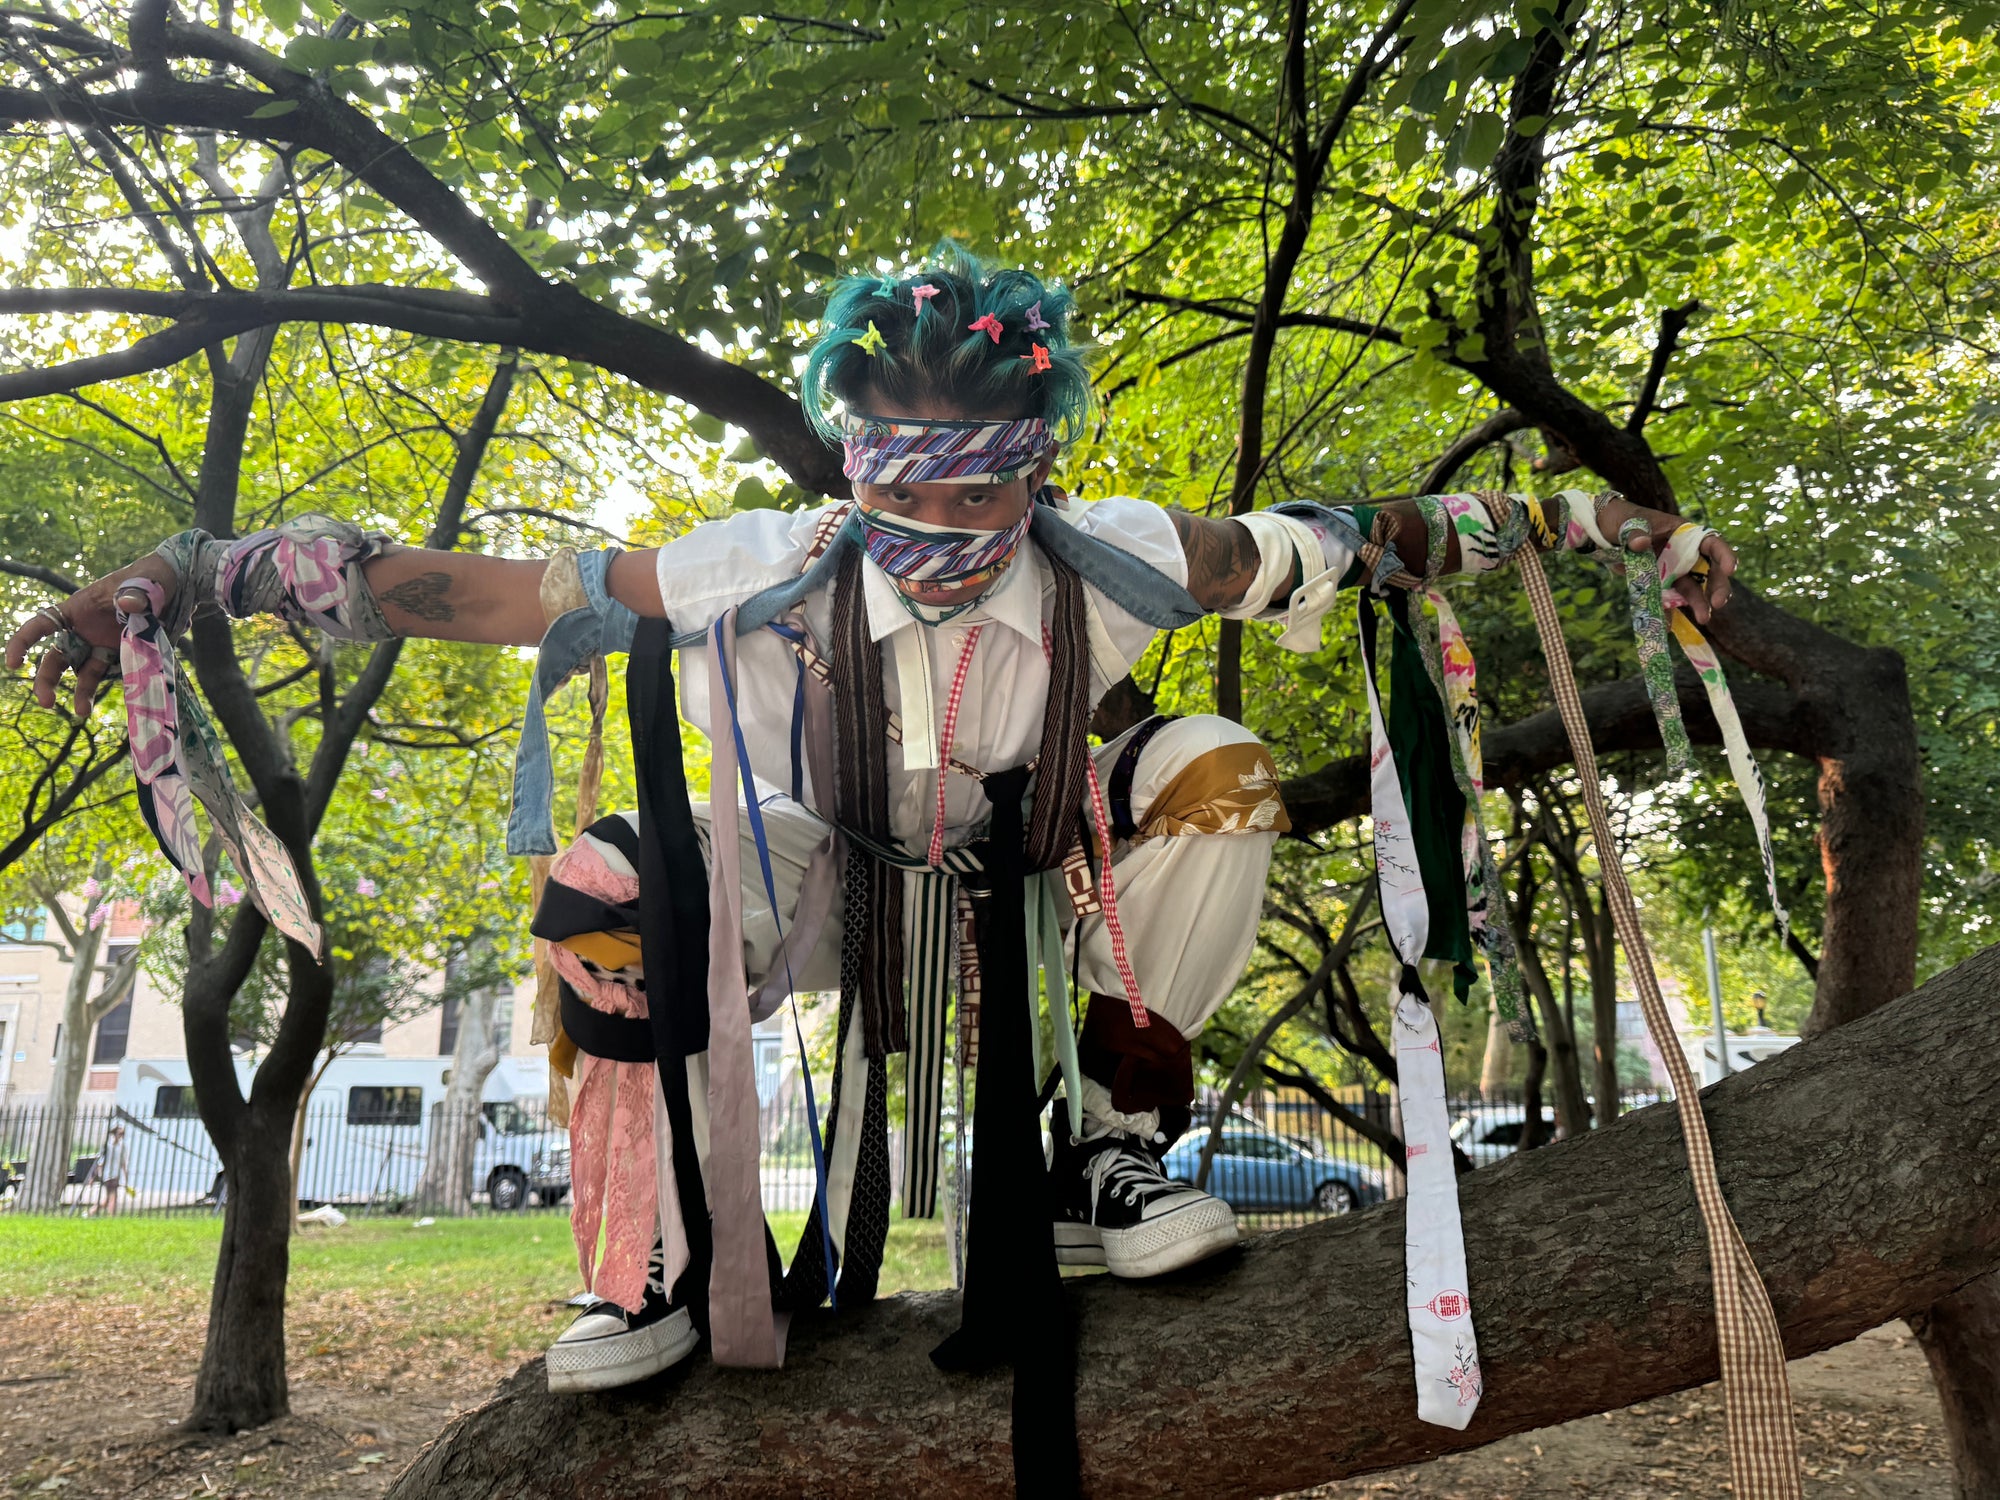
75 649
55 615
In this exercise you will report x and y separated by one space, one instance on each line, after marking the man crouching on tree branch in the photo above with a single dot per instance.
906 808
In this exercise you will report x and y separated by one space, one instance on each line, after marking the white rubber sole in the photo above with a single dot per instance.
623 1359
1194 1233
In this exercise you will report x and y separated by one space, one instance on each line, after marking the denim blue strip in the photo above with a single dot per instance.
600 627
604 627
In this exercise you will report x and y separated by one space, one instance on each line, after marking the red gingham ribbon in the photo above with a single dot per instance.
936 855
1107 887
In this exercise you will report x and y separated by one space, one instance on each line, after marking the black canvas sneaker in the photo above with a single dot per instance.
1116 1208
607 1347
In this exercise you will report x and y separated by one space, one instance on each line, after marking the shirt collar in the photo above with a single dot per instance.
1016 601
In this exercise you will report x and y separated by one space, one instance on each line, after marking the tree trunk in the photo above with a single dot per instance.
446 1187
1600 944
1958 1336
1496 1064
241 1380
49 1159
1532 1135
297 1161
1859 1167
1572 1114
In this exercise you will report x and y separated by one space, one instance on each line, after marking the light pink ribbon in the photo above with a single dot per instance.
742 1329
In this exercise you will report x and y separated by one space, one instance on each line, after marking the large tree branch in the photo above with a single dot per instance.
34 824
1858 1166
1359 327
1496 428
554 318
62 583
1621 718
1673 323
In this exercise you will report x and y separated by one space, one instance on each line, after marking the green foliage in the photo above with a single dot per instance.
1817 179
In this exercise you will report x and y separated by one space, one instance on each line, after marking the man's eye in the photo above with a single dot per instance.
974 499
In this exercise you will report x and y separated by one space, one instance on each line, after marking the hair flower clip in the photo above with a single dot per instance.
988 325
1036 322
921 294
871 342
1039 360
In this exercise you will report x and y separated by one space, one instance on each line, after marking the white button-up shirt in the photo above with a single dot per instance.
1000 715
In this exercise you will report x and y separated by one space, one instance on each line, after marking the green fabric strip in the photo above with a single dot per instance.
1421 741
1656 664
1055 974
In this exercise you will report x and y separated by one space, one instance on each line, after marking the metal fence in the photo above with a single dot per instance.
367 1156
1281 1157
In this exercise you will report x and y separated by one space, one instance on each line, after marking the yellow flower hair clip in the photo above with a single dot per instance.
871 342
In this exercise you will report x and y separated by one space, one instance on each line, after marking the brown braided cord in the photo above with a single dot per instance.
1763 1446
1372 551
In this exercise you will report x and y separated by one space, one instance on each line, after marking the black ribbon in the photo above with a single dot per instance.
601 1034
1014 1311
673 930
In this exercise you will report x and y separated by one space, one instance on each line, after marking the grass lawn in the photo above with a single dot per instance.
374 1293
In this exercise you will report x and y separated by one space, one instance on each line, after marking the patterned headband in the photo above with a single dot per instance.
883 451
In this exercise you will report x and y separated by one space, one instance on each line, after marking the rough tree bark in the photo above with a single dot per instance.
1861 1167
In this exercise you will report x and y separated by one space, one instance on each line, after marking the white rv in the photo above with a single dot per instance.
368 1124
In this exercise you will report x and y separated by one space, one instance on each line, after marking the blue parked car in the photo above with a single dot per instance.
1255 1171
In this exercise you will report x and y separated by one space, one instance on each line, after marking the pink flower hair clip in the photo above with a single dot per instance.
988 325
921 294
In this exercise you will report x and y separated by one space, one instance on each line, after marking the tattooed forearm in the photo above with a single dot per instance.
1221 556
422 597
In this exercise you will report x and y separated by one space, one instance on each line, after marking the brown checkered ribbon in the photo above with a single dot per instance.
1763 1447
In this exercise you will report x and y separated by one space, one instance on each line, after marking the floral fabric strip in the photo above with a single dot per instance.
1448 655
1483 543
1749 780
308 570
153 690
1656 667
179 760
1444 1347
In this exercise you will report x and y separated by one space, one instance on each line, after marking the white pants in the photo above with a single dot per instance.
1189 881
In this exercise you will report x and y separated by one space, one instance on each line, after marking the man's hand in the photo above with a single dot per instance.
1703 595
92 612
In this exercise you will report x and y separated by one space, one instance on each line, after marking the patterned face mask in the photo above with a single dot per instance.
917 554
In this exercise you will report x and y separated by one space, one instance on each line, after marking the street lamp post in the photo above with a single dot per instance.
1715 994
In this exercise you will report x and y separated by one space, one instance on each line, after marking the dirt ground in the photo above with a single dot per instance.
88 1408
89 1425
1868 1425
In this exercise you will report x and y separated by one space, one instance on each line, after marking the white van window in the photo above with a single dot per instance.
377 1104
174 1101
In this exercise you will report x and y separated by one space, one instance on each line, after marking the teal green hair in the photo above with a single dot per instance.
931 356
